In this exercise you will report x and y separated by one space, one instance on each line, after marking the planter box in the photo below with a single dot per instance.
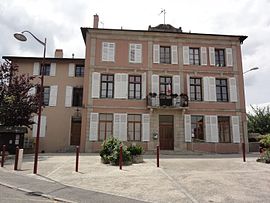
136 159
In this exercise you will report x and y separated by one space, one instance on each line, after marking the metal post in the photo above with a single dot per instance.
244 151
121 157
16 159
3 155
157 155
77 158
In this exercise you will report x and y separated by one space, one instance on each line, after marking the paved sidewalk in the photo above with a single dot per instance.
180 178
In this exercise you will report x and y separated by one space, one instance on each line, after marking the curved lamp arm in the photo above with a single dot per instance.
43 43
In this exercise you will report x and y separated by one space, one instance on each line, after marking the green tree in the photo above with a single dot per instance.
16 104
259 120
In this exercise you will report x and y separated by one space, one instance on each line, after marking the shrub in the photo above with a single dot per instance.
265 141
135 150
114 157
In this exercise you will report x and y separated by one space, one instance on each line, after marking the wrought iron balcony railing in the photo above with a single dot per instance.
174 100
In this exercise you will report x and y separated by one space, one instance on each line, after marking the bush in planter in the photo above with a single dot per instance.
114 157
136 153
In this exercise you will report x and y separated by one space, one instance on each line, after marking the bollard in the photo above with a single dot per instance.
77 158
16 159
20 159
3 155
121 157
157 155
244 151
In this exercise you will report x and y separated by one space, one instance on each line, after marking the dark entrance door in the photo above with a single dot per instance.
75 131
166 135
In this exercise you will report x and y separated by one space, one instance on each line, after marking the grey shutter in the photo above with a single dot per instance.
155 84
43 122
132 58
235 129
138 53
143 85
205 89
186 55
229 57
188 86
156 53
203 56
187 128
118 86
105 51
116 125
111 52
68 100
36 68
124 86
123 127
207 128
212 89
95 85
233 90
145 127
93 127
174 55
214 128
176 85
53 95
53 69
212 56
71 70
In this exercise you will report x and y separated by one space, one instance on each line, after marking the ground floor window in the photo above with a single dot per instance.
105 126
224 129
134 127
197 130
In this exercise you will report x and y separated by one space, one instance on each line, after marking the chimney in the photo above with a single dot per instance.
58 53
96 19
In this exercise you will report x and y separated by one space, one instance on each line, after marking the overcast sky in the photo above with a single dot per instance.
60 21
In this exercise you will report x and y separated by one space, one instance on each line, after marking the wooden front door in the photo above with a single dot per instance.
75 136
166 135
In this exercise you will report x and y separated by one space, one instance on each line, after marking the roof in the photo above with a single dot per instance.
163 29
77 60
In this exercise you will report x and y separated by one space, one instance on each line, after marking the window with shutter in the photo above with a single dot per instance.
235 129
71 69
135 53
224 129
203 56
108 51
93 127
134 127
174 54
197 128
53 69
222 90
233 90
134 87
96 85
229 57
116 125
186 55
212 56
53 95
107 85
194 56
105 126
68 99
156 53
187 128
36 68
145 127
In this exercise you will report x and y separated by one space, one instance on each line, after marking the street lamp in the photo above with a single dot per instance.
21 37
252 69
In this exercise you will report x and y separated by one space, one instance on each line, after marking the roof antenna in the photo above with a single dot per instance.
164 13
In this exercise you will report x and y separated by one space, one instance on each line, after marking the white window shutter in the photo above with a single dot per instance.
145 127
32 91
118 86
187 128
143 85
233 90
205 89
124 86
214 128
111 53
207 128
235 129
174 55
156 53
186 55
212 89
53 95
36 68
105 51
69 93
229 57
95 85
71 70
176 85
53 69
138 53
132 53
212 56
93 127
203 56
155 84
116 125
43 123
188 86
123 127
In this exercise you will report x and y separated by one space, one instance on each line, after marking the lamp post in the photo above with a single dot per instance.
21 37
252 69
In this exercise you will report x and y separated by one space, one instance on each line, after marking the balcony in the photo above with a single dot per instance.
165 101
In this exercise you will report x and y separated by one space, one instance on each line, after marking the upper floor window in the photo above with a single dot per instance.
194 56
197 130
46 69
195 89
107 86
165 85
224 129
108 51
105 126
79 71
77 96
46 95
222 90
220 57
165 54
134 127
134 87
135 53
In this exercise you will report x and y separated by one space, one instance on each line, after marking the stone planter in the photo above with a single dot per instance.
136 159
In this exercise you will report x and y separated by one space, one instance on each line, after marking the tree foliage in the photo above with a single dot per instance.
259 120
16 104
